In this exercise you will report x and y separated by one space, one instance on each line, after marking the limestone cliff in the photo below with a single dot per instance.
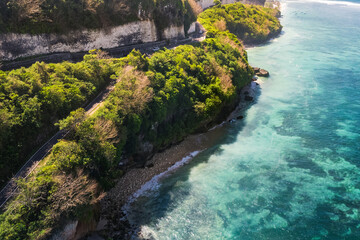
160 21
15 45
39 27
209 3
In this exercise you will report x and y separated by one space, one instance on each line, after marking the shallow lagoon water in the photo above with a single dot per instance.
291 168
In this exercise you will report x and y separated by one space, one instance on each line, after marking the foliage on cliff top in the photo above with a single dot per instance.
250 23
33 99
157 101
62 16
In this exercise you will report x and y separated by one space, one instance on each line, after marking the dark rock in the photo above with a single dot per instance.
256 69
246 93
150 165
248 98
240 117
263 73
257 84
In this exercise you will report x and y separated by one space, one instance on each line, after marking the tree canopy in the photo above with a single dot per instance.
62 16
250 23
156 101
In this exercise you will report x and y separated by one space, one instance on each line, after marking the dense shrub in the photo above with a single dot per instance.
251 23
156 101
33 99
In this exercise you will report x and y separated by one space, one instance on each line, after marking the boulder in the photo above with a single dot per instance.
249 98
246 93
256 69
263 73
150 165
240 117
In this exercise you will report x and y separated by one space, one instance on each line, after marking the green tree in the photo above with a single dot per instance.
73 121
217 3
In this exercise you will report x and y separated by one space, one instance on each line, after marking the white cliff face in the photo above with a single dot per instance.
229 1
209 3
192 28
13 45
174 32
206 3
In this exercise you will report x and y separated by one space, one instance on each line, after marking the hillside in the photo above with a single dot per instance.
251 23
58 16
41 27
33 99
157 101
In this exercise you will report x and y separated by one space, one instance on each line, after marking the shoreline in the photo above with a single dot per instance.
138 181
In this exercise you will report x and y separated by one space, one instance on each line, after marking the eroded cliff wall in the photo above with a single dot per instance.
15 45
209 3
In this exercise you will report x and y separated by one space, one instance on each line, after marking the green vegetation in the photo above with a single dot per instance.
156 101
33 99
61 16
250 23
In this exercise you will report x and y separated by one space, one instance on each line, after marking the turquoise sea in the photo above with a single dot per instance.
291 168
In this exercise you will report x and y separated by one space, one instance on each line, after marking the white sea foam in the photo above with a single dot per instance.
154 183
217 126
352 4
329 2
285 168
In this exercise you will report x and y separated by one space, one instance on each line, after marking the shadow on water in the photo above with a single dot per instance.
149 207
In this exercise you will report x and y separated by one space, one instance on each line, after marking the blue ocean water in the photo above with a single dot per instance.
291 168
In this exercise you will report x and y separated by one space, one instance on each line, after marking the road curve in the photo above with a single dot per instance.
10 188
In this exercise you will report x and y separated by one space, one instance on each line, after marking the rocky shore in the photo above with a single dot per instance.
113 221
261 72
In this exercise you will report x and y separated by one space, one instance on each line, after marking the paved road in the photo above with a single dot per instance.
10 188
78 56
7 192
